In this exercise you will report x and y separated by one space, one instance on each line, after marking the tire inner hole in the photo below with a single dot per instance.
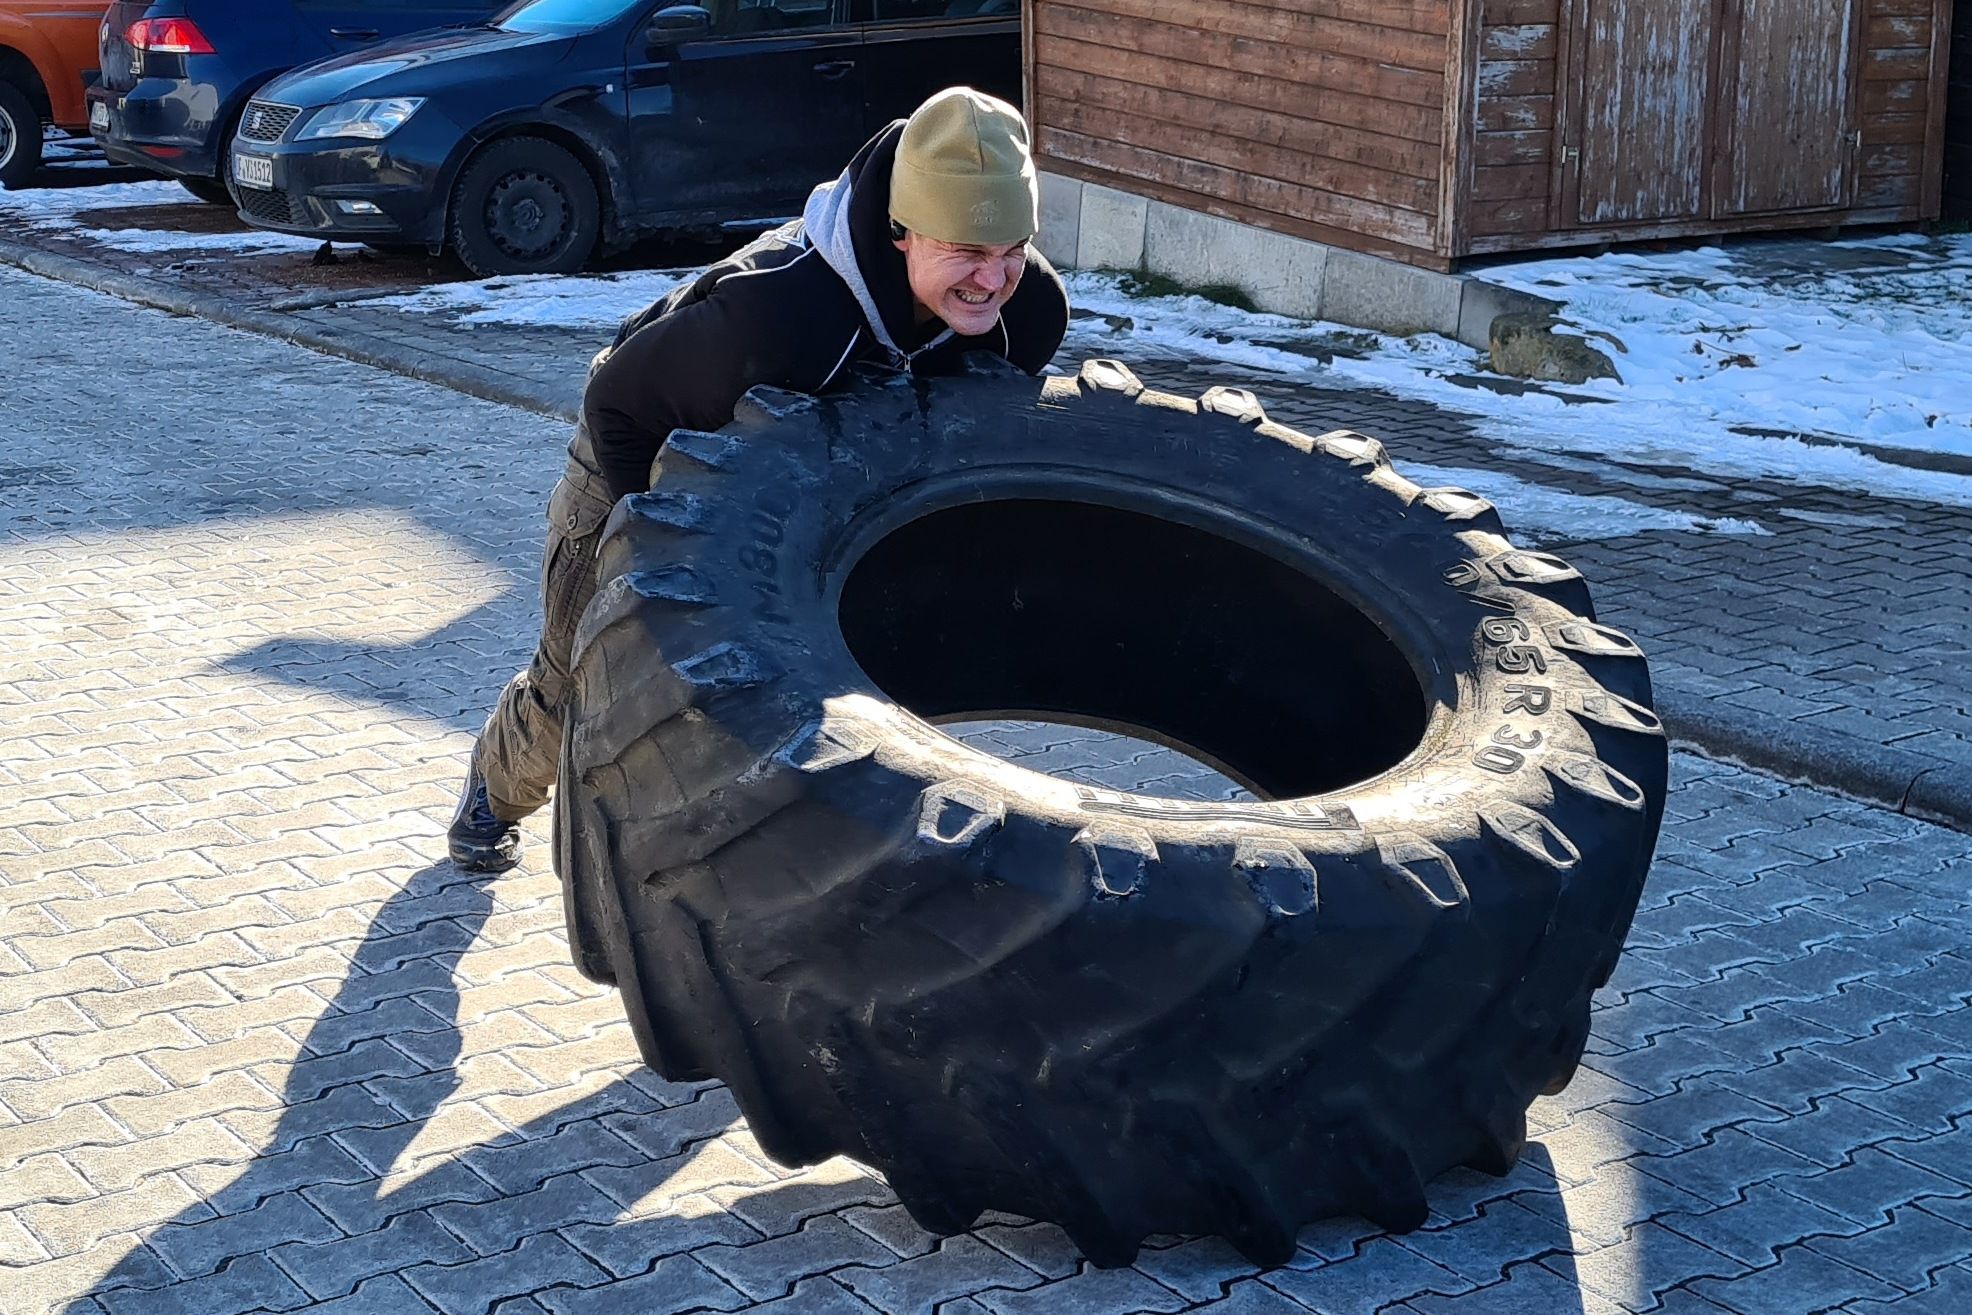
1067 613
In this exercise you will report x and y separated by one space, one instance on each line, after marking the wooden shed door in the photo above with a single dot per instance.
1786 102
1644 92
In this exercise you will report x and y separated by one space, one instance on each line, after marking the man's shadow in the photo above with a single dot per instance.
401 977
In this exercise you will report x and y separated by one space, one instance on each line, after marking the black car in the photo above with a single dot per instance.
177 73
563 125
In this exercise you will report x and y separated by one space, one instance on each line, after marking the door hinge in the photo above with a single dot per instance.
1571 155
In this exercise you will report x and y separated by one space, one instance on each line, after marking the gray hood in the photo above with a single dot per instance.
829 222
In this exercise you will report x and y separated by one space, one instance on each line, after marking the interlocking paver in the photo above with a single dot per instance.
958 1267
489 1227
1801 1280
1090 1290
1931 1099
537 1263
1909 1253
1481 1249
343 1265
768 1269
44 1178
1628 1272
893 1226
1719 1170
785 1204
629 1246
1382 1272
1868 1187
678 1283
1831 1133
1199 1269
370 1203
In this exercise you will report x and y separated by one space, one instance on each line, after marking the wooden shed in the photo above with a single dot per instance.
1428 130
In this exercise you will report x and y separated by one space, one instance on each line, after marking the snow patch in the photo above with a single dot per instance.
1537 513
1880 354
60 208
599 301
47 206
150 240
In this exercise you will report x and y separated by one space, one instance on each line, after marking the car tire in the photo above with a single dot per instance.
212 191
524 205
1125 1014
20 137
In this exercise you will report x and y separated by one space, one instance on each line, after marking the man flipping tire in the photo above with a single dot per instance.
916 255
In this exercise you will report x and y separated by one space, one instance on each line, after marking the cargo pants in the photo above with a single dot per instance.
520 745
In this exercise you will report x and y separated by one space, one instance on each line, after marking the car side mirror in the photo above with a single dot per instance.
675 24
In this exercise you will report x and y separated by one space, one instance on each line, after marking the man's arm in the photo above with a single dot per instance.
686 369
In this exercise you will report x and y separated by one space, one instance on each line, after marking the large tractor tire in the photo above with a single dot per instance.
1126 1014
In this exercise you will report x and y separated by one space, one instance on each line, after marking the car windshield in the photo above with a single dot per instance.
563 15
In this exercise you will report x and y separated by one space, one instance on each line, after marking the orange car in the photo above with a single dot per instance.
47 56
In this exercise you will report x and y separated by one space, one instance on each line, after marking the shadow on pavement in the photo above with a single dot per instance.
325 1172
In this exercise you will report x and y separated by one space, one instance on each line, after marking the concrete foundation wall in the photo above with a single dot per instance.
1089 226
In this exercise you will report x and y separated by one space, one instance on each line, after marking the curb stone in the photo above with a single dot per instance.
1919 785
1916 784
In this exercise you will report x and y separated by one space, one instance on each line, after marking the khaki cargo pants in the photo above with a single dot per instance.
520 745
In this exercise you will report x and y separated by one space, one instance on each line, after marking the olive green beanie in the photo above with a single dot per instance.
963 172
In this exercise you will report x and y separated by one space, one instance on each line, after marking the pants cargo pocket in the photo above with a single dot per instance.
576 514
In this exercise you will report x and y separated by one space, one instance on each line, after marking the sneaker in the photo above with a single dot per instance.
478 840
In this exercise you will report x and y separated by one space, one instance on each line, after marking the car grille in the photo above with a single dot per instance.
265 121
268 207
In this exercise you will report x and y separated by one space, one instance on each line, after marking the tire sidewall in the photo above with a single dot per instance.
483 172
24 159
224 196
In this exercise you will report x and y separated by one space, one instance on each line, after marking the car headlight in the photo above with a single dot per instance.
374 119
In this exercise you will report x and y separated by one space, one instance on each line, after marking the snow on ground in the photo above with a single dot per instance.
1881 353
62 207
59 205
600 301
1536 513
1878 355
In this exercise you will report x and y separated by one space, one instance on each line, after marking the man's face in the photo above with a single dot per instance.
965 286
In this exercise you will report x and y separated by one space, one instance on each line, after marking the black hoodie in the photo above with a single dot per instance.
794 308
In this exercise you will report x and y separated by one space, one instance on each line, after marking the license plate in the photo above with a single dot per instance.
253 171
99 116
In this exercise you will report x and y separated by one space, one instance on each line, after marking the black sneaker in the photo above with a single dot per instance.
479 841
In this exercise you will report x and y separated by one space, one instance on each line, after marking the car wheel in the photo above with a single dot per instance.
524 205
20 137
209 190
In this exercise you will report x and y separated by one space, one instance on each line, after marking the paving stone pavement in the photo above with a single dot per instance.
262 1049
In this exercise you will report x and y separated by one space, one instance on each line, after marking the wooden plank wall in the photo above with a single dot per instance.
1513 150
1899 94
1958 116
1323 118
